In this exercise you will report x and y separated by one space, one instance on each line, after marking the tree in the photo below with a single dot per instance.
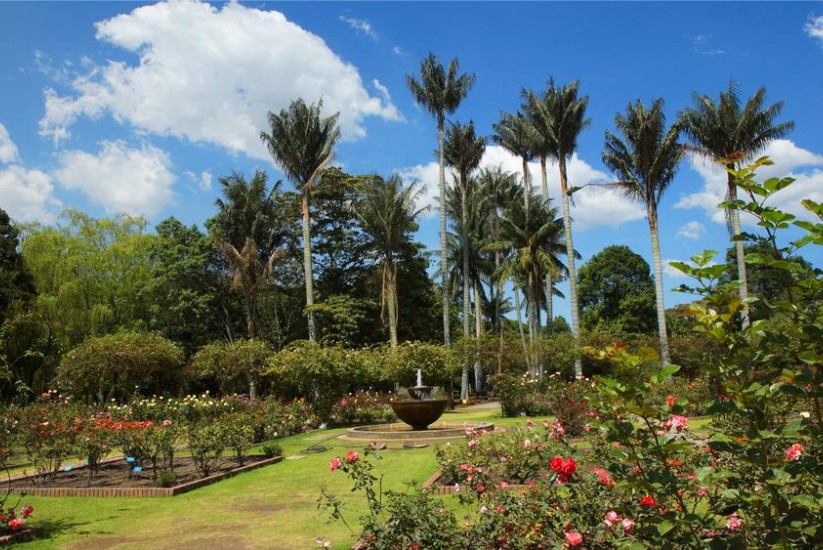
565 119
616 292
301 143
463 151
246 231
386 209
514 134
533 240
646 160
440 91
15 280
730 134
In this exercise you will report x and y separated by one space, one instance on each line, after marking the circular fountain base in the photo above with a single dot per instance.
401 432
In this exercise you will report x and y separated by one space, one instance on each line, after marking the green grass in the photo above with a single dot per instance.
273 507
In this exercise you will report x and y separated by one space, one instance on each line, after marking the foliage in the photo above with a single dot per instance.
239 433
207 442
234 365
364 407
118 365
322 374
616 291
437 364
15 281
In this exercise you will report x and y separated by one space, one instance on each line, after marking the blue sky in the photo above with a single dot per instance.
141 108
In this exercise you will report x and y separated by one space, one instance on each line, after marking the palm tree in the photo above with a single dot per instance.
514 134
730 134
646 163
440 91
535 108
533 237
463 150
248 215
565 114
301 142
386 210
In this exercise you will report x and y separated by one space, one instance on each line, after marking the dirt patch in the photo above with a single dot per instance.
121 474
102 543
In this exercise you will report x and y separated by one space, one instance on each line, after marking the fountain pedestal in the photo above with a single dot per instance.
420 411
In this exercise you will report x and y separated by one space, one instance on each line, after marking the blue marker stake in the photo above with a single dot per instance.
138 468
129 459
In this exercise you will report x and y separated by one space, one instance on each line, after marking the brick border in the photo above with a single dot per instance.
141 492
432 486
24 535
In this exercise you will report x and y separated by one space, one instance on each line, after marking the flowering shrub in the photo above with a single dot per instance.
46 432
207 442
364 407
239 428
519 393
285 419
9 520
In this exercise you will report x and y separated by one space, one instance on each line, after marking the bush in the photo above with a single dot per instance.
271 450
207 442
235 366
438 367
321 374
117 365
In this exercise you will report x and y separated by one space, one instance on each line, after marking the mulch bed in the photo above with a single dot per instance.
116 478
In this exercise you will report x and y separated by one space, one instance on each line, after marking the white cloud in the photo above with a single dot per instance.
789 160
360 25
814 28
119 178
205 181
399 51
8 150
27 194
702 44
210 74
692 230
594 207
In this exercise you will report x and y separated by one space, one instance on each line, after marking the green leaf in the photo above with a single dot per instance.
665 526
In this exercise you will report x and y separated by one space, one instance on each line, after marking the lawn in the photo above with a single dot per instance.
273 507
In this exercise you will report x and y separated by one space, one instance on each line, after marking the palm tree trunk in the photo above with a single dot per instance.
740 253
464 226
390 293
520 329
531 310
658 287
527 183
567 226
444 260
304 207
478 329
549 281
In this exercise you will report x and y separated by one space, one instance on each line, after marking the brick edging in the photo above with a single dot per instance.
432 486
141 492
24 535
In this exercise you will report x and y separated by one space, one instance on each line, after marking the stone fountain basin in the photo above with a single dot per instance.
401 432
419 414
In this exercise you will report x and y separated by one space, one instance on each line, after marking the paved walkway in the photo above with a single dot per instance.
487 406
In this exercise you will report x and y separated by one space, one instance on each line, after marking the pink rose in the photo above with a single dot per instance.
628 526
472 443
335 464
352 456
27 510
733 522
612 518
573 538
794 452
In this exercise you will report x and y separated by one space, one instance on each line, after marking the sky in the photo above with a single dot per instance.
141 108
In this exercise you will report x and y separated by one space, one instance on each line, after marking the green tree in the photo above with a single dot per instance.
565 117
249 215
15 280
90 275
386 209
533 240
514 134
616 292
182 292
463 151
730 133
302 143
645 160
440 91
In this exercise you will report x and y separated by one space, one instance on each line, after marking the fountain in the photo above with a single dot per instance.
420 424
421 410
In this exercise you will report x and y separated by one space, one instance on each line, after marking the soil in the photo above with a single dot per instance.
119 473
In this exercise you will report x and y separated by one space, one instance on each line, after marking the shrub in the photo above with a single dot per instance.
47 433
271 450
207 442
117 365
235 366
239 429
437 365
321 374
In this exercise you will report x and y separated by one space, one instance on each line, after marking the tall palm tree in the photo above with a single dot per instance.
534 108
645 160
301 142
440 91
463 150
565 114
533 238
514 134
386 210
730 133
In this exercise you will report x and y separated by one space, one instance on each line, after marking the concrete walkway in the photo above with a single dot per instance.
488 406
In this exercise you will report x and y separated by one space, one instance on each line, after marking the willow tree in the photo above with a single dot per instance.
301 142
440 91
387 213
645 160
730 134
